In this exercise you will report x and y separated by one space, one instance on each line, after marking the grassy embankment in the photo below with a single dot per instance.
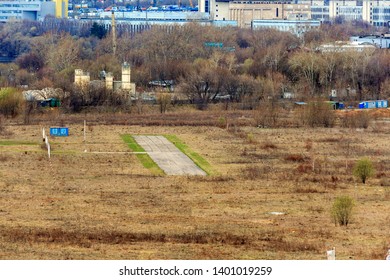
143 157
195 157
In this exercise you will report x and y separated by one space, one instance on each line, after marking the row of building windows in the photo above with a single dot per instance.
381 10
320 9
380 24
35 6
10 12
382 17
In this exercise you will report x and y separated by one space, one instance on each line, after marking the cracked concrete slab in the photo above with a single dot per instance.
169 158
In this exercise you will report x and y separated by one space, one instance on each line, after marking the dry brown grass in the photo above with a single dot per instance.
103 204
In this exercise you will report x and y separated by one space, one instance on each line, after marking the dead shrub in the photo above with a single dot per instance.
363 119
304 168
317 114
268 146
302 189
252 172
387 192
308 145
358 119
237 131
280 244
330 140
380 174
85 238
334 180
314 178
267 114
296 158
379 253
217 178
164 99
43 146
385 182
2 127
4 158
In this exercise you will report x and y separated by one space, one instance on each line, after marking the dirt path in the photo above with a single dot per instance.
167 156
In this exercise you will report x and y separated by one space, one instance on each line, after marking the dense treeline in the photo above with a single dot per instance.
250 66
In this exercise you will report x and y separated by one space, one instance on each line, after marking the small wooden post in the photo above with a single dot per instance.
85 136
85 131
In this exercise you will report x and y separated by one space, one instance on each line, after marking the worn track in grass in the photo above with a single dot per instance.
167 156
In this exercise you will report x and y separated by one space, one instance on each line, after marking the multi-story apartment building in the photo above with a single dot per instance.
347 9
376 12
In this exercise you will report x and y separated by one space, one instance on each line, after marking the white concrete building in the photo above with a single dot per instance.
381 41
26 10
375 12
348 46
297 27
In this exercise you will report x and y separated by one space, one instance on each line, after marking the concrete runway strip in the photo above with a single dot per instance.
167 156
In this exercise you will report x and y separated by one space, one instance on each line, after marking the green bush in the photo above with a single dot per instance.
363 169
10 101
342 210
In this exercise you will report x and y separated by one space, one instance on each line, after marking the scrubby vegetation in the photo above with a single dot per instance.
342 210
363 169
104 203
264 65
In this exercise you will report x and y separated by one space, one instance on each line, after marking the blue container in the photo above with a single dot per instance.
381 104
373 104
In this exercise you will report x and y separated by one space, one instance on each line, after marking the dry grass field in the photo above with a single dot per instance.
103 204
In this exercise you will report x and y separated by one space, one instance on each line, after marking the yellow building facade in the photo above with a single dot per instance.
61 8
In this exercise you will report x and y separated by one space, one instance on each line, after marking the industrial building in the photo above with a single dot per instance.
295 26
347 47
239 13
32 10
82 79
381 41
244 12
375 12
156 17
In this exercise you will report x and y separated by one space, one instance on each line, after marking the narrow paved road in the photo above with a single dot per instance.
167 156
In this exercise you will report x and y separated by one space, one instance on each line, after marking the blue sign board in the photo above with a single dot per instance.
213 44
59 131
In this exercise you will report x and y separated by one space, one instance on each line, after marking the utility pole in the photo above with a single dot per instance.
113 25
113 32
